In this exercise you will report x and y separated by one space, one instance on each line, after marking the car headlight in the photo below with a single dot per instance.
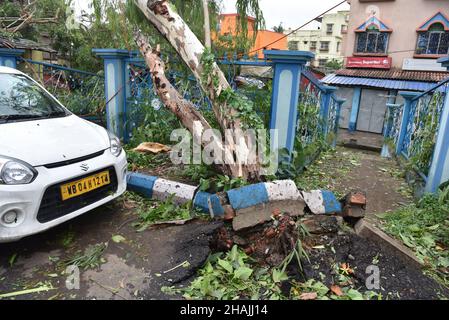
15 172
116 146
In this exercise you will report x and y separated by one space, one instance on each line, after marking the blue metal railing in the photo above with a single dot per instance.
423 118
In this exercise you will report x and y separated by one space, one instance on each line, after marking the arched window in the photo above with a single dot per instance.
372 41
433 41
372 37
433 36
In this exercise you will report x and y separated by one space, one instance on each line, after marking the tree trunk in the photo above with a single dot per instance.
207 36
190 49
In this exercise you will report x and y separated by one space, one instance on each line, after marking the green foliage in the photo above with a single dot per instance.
221 183
424 139
424 227
246 111
334 64
292 166
280 28
231 276
261 99
250 8
151 212
86 98
157 125
90 258
323 293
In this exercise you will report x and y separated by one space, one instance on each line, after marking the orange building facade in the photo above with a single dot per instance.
228 26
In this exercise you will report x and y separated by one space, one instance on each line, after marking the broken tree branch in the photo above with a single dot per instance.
191 50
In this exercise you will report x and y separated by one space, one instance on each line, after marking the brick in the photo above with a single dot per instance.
353 212
357 198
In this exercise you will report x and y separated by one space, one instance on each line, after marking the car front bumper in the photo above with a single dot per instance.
25 200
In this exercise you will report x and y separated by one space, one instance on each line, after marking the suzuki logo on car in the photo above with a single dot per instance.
84 167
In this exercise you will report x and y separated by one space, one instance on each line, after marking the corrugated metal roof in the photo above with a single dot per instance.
24 44
334 79
395 74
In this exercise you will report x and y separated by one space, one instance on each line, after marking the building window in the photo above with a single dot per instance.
293 45
324 46
433 41
344 28
329 28
338 46
312 45
372 41
322 63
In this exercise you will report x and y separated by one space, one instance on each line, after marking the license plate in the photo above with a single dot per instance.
82 186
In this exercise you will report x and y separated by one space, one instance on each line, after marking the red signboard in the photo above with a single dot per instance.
369 62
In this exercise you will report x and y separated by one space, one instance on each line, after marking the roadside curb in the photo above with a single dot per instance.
368 231
239 199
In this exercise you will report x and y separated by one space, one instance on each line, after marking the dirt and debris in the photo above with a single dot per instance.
151 147
331 247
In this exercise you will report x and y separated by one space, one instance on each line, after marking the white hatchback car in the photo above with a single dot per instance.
54 166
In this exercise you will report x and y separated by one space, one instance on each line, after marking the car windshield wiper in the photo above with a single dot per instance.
56 114
13 117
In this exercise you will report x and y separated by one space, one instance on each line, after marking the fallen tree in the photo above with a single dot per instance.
225 102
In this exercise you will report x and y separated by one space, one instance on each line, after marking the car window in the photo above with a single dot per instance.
22 99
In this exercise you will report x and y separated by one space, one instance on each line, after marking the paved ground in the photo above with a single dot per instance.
134 269
350 169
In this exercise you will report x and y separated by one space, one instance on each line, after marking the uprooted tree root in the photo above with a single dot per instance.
269 244
330 255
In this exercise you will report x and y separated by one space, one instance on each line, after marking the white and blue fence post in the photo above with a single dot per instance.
339 102
408 96
439 169
326 97
391 107
115 87
8 57
288 66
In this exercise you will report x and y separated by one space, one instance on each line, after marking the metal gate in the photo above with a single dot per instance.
373 107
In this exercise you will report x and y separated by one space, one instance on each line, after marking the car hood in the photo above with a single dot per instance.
47 141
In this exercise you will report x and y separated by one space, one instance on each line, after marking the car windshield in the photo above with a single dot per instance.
22 99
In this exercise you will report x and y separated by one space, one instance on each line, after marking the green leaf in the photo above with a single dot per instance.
428 240
243 273
118 239
225 265
414 228
443 262
407 241
279 276
12 259
354 295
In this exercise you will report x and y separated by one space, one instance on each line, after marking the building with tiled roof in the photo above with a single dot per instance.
390 46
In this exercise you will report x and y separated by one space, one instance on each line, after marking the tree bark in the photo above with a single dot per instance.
190 49
183 109
207 36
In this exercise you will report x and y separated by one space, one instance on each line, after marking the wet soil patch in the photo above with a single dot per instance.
398 281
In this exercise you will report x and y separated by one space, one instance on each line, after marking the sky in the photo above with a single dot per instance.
292 13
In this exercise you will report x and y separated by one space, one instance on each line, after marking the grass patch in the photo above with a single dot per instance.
424 228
